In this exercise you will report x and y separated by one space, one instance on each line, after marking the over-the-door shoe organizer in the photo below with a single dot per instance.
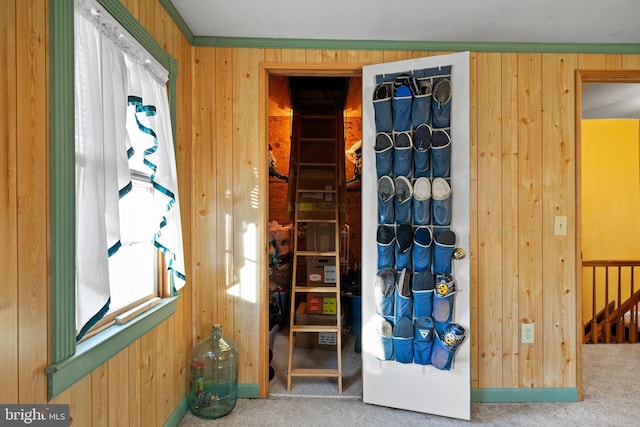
415 285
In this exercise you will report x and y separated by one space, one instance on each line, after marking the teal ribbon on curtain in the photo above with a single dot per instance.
149 111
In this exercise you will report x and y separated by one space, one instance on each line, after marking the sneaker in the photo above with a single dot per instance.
404 282
441 201
384 327
386 194
385 281
422 189
422 137
441 153
442 91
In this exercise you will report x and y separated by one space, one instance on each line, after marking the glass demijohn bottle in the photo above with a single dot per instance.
213 389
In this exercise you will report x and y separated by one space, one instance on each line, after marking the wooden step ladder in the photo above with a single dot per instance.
316 197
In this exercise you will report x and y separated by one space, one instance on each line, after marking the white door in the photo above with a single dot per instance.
421 387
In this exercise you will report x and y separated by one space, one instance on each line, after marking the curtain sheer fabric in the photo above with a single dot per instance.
110 69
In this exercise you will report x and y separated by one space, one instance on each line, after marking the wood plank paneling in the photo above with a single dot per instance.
184 150
135 384
294 55
363 57
31 195
558 198
8 204
473 219
100 396
334 56
111 394
249 244
592 61
118 389
273 55
490 219
223 146
148 379
510 187
530 212
203 198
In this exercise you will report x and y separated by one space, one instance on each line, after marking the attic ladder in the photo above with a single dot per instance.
316 196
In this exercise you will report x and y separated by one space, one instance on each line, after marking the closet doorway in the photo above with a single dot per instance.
277 132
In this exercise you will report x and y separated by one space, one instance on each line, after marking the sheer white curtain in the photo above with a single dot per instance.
110 68
147 93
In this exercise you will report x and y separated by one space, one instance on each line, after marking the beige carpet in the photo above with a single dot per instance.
314 358
611 379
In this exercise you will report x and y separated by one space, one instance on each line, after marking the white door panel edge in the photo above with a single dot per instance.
412 386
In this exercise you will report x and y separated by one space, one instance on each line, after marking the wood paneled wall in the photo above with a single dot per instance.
145 383
523 169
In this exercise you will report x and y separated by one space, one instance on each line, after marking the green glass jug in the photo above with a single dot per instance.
213 391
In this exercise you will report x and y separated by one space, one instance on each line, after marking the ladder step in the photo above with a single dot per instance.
309 190
318 289
316 253
315 328
328 221
302 372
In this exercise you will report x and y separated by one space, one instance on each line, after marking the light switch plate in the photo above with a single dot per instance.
560 226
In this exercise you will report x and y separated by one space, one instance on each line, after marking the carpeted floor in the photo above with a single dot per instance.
314 358
611 380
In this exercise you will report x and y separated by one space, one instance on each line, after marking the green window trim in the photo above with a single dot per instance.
65 357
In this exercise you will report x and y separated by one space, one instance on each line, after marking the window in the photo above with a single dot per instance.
136 66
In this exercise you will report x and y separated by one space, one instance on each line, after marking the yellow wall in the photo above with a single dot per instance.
610 189
610 199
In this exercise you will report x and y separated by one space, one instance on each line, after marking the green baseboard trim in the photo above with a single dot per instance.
177 415
487 395
248 391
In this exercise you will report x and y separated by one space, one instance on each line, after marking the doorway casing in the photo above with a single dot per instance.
587 76
266 70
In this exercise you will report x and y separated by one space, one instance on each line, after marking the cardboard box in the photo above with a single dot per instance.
330 274
325 341
314 304
329 305
316 269
320 236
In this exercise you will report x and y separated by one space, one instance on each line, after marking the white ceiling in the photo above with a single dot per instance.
519 21
540 21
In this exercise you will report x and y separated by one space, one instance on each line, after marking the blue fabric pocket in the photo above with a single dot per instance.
403 349
401 103
384 154
404 305
382 107
422 303
441 355
422 345
421 110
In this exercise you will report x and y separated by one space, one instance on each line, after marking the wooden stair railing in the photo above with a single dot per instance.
616 321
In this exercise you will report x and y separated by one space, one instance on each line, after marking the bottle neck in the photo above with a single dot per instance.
216 331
